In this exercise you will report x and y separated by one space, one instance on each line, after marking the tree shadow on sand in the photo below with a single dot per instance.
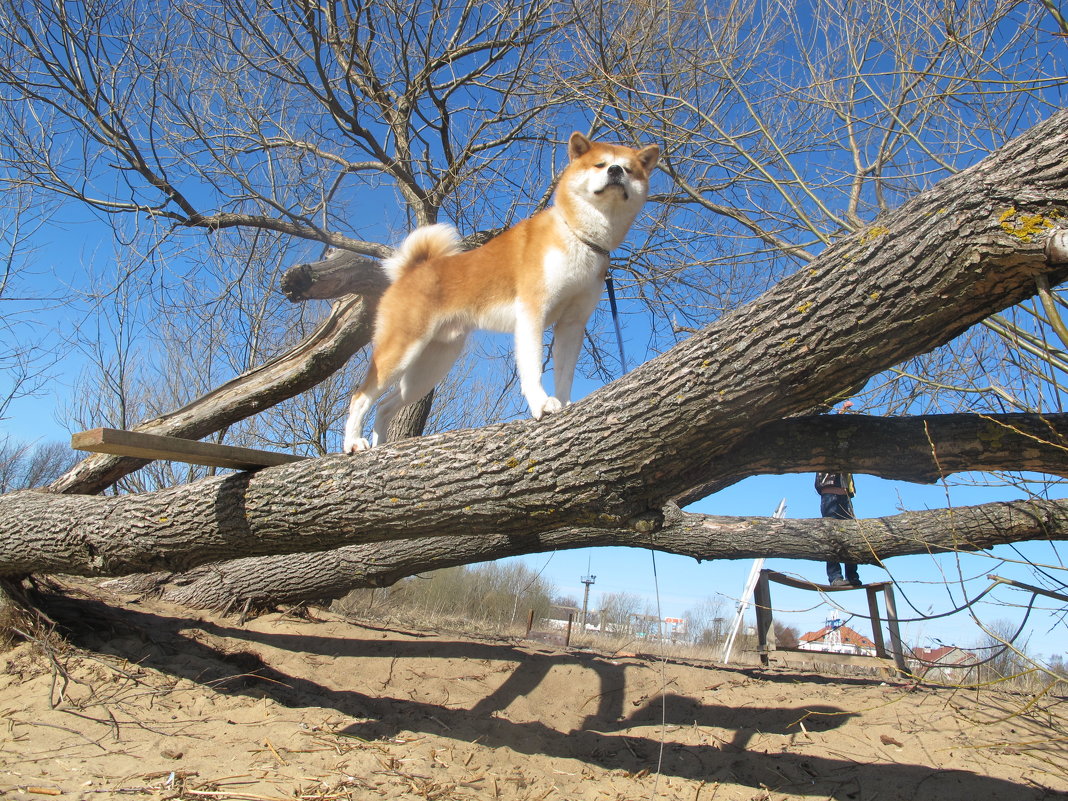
157 642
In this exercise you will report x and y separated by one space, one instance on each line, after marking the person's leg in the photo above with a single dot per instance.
829 505
838 507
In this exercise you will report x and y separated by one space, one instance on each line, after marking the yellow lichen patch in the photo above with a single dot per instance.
874 295
513 462
873 233
1025 226
804 307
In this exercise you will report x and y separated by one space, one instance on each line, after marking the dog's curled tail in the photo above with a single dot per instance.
428 242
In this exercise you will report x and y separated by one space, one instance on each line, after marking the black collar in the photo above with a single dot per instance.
591 245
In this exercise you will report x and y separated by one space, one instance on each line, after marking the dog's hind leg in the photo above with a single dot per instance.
359 406
389 361
421 375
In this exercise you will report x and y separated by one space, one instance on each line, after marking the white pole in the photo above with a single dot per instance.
747 593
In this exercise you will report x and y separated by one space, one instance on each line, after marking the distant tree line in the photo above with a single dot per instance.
494 595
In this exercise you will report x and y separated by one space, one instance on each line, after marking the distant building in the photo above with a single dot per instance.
675 628
836 640
946 664
558 616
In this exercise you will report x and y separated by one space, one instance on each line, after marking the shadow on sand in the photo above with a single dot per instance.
155 641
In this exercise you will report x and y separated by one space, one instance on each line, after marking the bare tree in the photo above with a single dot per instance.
786 131
324 110
617 611
705 622
24 359
24 465
272 129
607 463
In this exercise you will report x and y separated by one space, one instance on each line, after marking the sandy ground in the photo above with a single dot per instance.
149 701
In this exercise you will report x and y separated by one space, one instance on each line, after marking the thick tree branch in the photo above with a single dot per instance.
901 448
918 449
316 576
341 273
214 222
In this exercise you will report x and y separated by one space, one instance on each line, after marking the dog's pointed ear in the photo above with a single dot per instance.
649 156
577 145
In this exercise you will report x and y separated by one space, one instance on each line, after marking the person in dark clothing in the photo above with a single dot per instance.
836 490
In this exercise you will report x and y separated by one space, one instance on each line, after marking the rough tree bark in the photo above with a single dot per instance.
293 578
912 449
970 246
922 450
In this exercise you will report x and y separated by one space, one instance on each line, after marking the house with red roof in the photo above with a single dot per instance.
837 640
947 663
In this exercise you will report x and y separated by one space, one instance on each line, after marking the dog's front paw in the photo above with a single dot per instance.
548 406
355 445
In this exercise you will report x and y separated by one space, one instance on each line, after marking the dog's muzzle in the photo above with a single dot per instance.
615 178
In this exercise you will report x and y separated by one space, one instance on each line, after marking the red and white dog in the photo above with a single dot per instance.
547 270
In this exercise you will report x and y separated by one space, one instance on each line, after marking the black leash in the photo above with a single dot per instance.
615 319
611 294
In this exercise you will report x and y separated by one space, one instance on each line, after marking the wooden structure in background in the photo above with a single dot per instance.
766 632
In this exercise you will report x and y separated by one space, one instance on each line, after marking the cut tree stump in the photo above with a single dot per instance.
153 446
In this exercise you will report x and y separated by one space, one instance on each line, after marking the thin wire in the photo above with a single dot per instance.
663 670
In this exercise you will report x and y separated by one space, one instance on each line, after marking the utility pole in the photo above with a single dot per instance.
587 580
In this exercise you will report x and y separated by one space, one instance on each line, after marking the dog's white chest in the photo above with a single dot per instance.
571 274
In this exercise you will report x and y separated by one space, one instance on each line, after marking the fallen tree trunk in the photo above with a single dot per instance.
922 449
320 576
972 245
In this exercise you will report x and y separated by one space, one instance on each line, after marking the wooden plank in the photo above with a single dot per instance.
152 446
762 606
895 634
876 622
801 584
